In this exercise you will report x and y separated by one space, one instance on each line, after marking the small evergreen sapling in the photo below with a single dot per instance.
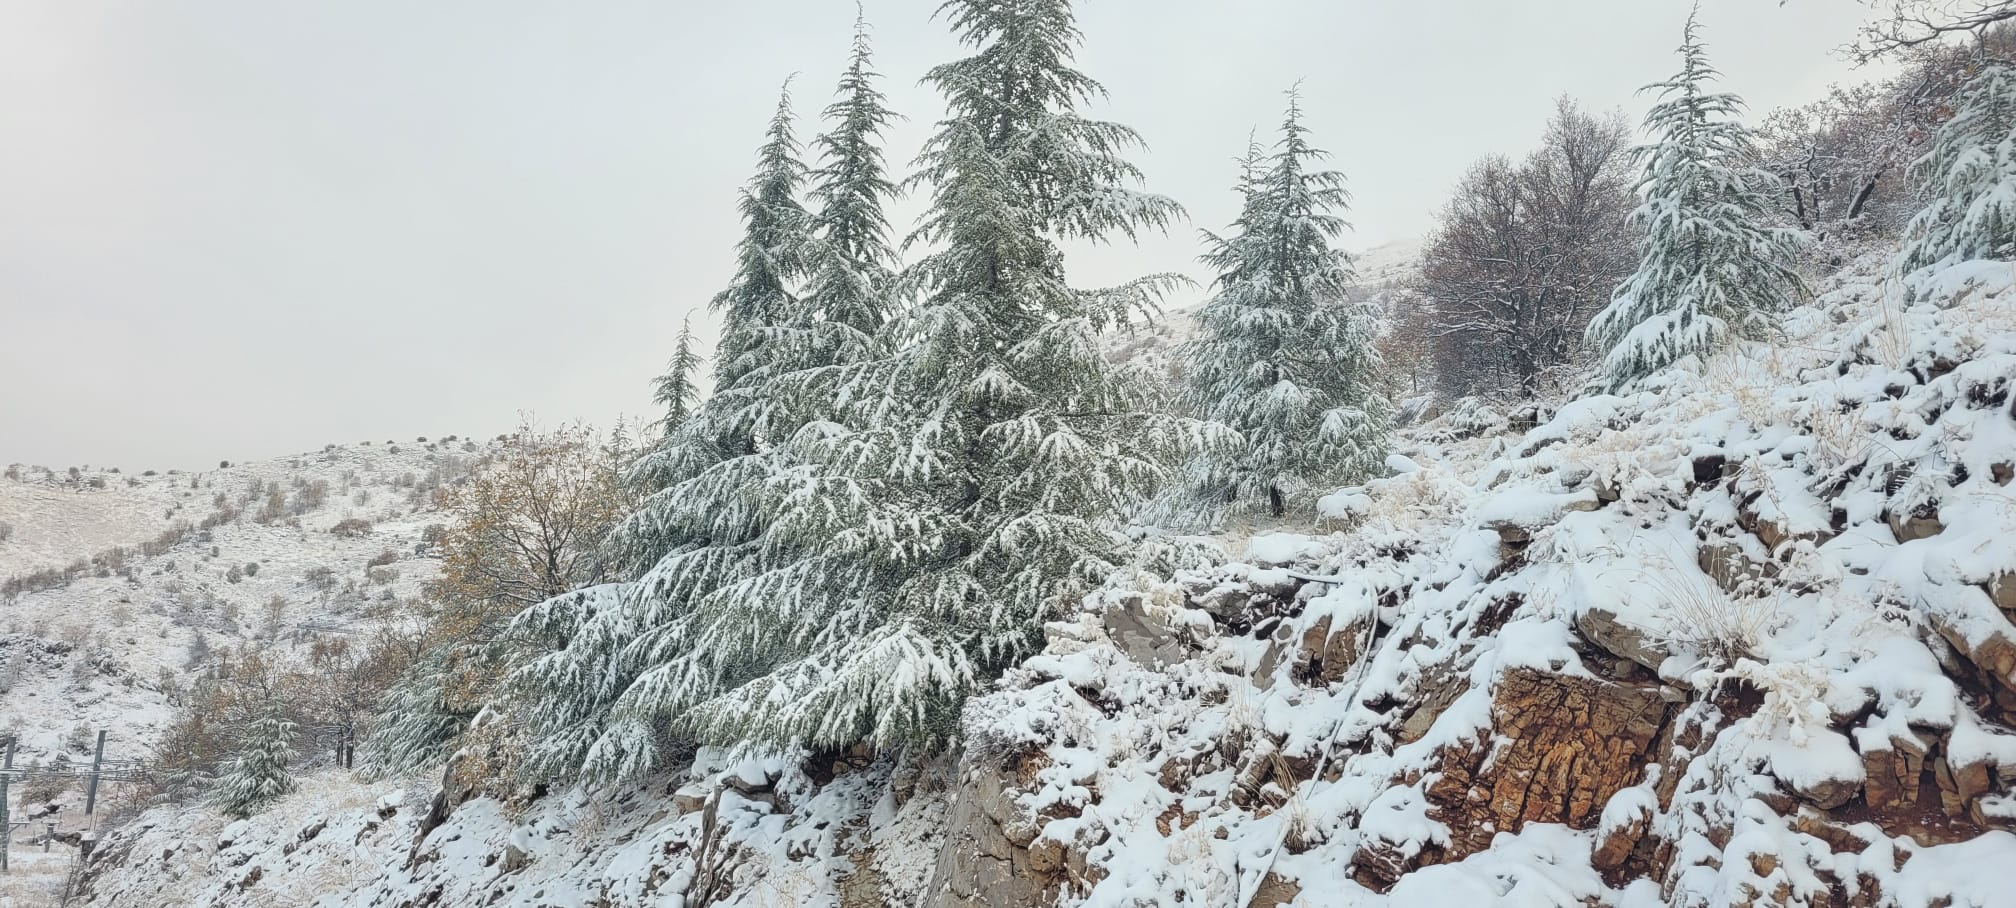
259 774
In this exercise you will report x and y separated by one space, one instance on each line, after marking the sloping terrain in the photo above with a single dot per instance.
1745 637
122 589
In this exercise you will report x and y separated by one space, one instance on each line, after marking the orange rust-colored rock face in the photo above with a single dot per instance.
1276 892
1616 845
1914 789
1570 743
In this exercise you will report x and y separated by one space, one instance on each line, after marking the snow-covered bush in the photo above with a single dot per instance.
259 774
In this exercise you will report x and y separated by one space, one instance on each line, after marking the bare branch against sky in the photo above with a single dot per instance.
236 228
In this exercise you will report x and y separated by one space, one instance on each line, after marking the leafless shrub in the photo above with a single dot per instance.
320 577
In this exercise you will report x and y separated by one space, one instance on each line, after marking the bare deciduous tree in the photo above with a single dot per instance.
529 526
1904 25
1525 254
1845 156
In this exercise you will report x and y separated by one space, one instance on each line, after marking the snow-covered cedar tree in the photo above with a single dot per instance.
676 390
1282 356
740 548
1969 178
995 448
929 504
416 728
1709 265
258 775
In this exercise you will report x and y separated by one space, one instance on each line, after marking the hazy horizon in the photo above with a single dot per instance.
237 230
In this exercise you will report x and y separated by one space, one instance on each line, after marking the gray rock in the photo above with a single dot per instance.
1604 629
984 861
1142 632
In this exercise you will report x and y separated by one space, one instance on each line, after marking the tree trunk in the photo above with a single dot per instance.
1862 198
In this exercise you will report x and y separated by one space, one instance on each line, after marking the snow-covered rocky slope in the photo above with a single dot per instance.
112 579
1744 638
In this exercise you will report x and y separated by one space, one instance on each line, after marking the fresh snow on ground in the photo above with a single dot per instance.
1884 403
92 652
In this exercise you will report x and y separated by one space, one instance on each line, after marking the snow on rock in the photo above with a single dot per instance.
1743 637
1282 548
1732 641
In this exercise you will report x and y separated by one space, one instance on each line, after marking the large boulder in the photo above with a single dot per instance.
985 861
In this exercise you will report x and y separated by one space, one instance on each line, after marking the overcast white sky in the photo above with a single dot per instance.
241 229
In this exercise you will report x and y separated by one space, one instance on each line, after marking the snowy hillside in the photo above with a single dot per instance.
123 589
1645 537
1747 637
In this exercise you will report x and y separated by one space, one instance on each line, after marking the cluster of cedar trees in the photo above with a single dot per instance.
903 469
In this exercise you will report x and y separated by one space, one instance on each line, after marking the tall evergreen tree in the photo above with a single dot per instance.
1709 267
675 390
258 775
730 546
936 502
1969 178
1283 358
996 446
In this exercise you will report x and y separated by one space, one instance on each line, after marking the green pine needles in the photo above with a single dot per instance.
1969 176
899 476
1710 267
258 776
676 390
1283 357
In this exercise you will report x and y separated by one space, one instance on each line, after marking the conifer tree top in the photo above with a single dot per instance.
675 390
1017 98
